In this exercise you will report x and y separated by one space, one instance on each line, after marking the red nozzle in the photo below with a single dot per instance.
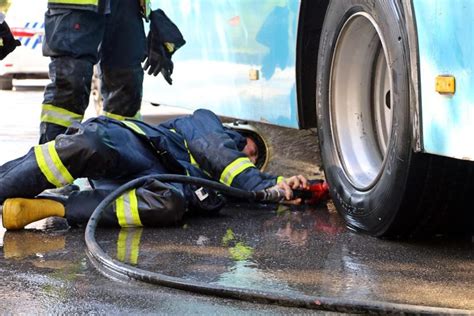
318 192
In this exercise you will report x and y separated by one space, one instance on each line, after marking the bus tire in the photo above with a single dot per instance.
378 183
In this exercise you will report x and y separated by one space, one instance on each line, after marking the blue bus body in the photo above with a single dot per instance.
446 47
229 44
232 42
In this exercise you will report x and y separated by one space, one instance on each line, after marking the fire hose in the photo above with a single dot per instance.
116 269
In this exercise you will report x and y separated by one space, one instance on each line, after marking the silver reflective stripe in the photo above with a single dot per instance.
59 116
51 165
127 210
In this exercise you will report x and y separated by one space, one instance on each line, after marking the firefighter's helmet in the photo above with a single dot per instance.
252 132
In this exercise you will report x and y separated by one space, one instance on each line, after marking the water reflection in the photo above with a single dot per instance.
128 245
295 225
22 244
246 274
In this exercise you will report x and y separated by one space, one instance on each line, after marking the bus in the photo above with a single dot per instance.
386 83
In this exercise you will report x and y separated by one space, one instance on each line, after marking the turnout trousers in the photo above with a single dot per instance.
76 40
108 154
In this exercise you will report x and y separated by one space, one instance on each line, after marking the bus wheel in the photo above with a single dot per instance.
378 184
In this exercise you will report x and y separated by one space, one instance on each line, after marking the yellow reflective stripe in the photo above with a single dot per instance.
170 47
59 116
117 117
51 165
234 169
135 245
134 209
122 245
120 211
134 127
280 179
128 245
126 208
191 158
1 42
76 2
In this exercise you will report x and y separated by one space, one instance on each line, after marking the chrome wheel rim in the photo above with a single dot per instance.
361 110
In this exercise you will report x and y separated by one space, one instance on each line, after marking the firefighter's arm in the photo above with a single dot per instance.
7 42
280 189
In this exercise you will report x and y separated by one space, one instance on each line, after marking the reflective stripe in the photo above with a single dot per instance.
126 207
51 165
134 127
170 47
234 169
117 117
128 245
75 2
59 116
191 158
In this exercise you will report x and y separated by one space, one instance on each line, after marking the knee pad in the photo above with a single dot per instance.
87 150
160 204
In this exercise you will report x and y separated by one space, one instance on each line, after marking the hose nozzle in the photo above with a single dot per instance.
273 194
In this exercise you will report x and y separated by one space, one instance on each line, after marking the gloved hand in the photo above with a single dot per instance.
7 42
164 39
158 60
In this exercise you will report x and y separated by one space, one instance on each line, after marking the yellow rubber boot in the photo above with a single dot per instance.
18 212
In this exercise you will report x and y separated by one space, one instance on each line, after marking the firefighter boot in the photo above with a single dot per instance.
19 212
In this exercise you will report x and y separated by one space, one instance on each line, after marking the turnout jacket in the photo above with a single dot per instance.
199 145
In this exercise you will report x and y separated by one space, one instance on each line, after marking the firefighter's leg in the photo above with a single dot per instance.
121 54
99 149
153 204
24 177
72 38
88 152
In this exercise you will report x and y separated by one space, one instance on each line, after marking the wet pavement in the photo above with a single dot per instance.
293 251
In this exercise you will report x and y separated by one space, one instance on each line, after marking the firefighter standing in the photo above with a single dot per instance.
79 34
111 152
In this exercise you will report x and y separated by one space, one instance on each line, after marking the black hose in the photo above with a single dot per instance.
112 267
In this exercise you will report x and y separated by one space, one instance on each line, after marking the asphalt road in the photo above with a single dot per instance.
294 252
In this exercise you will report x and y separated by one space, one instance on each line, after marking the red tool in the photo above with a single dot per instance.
318 192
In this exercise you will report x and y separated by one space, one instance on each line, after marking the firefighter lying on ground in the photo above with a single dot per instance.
7 42
80 34
110 153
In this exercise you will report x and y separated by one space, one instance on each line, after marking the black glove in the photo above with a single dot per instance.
7 42
164 39
158 60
